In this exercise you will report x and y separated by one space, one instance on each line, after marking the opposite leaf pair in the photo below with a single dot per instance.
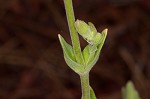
90 53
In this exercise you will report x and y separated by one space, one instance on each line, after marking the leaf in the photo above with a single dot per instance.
92 62
92 94
67 49
129 91
69 56
86 53
98 38
92 48
89 53
92 51
73 65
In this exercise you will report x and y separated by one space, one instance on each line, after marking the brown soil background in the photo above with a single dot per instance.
31 59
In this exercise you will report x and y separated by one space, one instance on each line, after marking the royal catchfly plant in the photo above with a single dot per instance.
82 61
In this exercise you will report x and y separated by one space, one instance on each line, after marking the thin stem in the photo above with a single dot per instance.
73 33
85 86
76 47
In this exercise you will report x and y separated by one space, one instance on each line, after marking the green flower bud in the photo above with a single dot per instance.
92 27
82 28
88 32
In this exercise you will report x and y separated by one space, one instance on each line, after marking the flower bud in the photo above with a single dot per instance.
82 28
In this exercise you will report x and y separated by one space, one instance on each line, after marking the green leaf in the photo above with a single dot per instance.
98 38
86 53
92 48
69 56
92 62
92 51
92 94
67 49
89 53
73 65
129 91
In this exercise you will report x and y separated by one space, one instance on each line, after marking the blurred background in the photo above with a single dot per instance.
31 59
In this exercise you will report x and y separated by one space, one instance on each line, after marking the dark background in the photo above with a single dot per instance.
31 59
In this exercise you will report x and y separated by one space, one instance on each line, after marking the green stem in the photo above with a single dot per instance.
73 33
76 47
85 86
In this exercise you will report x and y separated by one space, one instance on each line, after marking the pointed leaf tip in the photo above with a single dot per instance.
105 31
59 36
